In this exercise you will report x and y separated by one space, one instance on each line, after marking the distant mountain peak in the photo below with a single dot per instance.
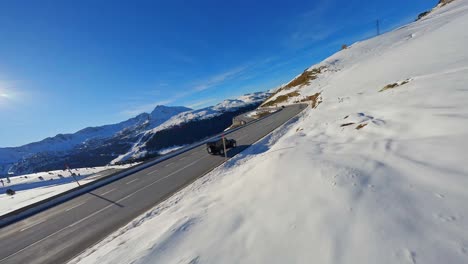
169 109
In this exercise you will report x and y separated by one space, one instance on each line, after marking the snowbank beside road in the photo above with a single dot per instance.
376 173
32 188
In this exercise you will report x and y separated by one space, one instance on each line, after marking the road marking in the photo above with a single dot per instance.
100 210
68 209
168 164
182 158
35 224
163 178
152 172
132 181
97 212
108 192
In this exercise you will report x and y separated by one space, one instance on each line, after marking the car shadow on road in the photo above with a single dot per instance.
105 199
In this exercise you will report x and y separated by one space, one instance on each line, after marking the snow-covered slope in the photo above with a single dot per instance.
31 188
375 173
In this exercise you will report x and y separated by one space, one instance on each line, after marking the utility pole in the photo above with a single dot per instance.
377 23
72 174
224 146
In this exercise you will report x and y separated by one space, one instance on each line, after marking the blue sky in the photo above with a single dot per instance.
66 65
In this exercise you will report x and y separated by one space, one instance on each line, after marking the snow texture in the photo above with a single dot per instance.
31 188
366 177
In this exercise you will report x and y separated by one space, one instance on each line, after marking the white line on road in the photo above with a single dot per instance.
68 209
165 177
97 212
182 158
132 181
100 210
35 224
152 172
168 164
108 192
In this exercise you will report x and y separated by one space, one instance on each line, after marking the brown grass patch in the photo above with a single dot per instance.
423 14
314 100
444 2
281 99
305 78
394 85
361 126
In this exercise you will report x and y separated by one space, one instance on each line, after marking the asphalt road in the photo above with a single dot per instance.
60 233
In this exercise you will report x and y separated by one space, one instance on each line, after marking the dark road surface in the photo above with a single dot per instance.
58 234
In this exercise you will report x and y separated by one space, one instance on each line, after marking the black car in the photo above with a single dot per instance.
216 146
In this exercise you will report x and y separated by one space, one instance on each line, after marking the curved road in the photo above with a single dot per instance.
58 234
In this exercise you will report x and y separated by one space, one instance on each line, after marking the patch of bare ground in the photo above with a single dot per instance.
360 126
305 78
423 14
440 4
281 99
444 2
314 100
394 85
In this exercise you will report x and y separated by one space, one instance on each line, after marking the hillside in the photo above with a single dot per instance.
373 172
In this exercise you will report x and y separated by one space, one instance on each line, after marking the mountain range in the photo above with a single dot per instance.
137 138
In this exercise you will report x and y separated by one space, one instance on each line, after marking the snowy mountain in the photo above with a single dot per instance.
18 159
374 171
116 143
221 113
